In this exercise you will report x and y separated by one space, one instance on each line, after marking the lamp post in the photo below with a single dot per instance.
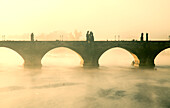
118 37
3 37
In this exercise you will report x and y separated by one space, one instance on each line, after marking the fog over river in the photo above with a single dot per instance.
63 83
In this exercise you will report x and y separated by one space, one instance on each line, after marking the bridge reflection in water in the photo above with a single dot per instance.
32 52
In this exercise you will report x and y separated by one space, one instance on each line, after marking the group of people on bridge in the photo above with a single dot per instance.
89 37
142 38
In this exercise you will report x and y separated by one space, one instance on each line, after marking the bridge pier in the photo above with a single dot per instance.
147 63
90 63
32 61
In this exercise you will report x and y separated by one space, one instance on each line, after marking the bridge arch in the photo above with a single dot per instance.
61 50
13 56
162 57
134 58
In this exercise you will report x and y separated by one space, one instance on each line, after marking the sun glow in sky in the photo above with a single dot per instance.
106 18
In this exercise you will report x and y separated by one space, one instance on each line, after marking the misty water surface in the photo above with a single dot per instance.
62 83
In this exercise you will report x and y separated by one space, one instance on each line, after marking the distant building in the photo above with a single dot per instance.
32 37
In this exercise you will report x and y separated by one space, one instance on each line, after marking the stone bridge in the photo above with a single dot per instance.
144 52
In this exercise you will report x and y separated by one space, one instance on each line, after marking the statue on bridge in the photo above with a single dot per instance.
146 37
32 37
141 38
89 37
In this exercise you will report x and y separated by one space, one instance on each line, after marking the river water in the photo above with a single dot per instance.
62 83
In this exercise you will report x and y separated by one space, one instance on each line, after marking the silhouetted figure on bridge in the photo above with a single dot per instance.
32 37
146 37
141 38
89 37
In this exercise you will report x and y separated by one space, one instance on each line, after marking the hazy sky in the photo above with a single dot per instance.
106 18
